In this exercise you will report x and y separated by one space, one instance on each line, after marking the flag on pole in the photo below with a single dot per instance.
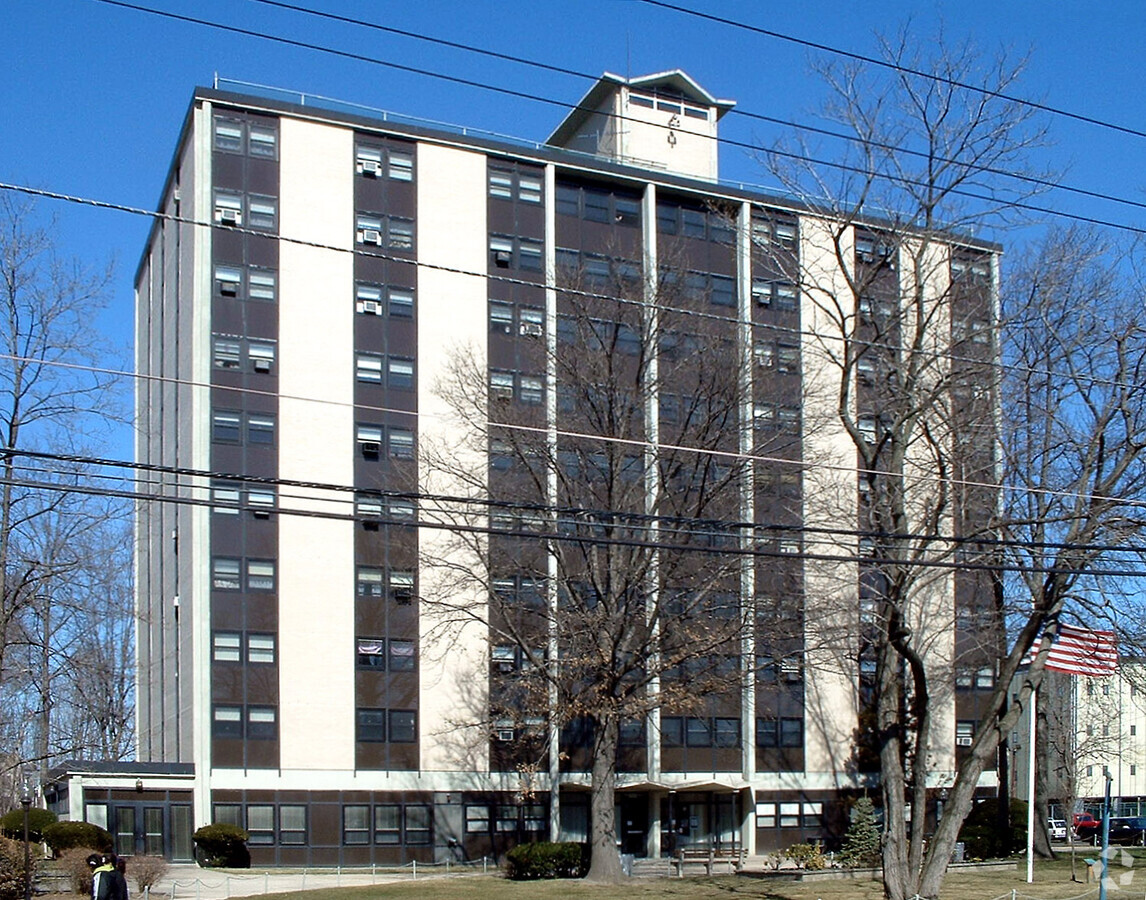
1081 651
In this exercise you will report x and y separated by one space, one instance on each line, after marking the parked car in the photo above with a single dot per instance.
1080 819
1123 830
1057 829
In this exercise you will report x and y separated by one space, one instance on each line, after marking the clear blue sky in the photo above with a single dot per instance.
93 96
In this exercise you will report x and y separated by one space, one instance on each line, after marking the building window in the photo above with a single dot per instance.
263 212
261 823
261 649
770 294
388 823
234 135
702 224
228 722
383 300
511 252
401 587
789 815
403 726
509 181
375 161
292 824
418 824
226 646
771 231
400 443
402 656
371 726
400 373
371 653
698 732
477 819
227 427
260 575
765 815
599 204
727 732
375 230
245 282
260 429
527 389
261 723
672 731
229 498
355 825
232 352
225 814
368 367
225 574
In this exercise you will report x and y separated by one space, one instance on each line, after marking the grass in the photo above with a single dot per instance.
1052 881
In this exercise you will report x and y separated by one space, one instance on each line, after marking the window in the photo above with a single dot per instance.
228 722
770 231
791 732
508 181
382 300
261 724
477 819
506 820
403 726
727 732
225 574
394 232
401 587
228 208
261 649
780 295
228 498
260 429
227 354
400 373
226 646
371 653
368 367
226 427
789 815
260 575
698 732
356 825
765 815
370 725
226 814
261 824
402 656
369 582
263 212
235 353
528 389
511 252
236 135
964 733
388 823
599 204
418 822
400 443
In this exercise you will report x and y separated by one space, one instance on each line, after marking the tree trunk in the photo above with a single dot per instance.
605 864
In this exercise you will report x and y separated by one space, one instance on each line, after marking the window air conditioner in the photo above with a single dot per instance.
372 307
371 168
228 216
371 449
531 329
262 365
962 742
261 513
505 734
369 236
502 258
229 288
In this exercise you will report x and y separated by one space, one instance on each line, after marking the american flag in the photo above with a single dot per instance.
1081 651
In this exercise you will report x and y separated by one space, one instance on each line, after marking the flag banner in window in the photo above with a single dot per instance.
1081 651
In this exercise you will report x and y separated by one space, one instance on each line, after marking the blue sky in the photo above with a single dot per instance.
93 95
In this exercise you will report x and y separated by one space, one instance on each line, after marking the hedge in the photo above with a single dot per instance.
547 860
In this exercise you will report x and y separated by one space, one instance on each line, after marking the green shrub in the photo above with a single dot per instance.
807 856
12 873
547 860
222 846
981 837
12 824
62 836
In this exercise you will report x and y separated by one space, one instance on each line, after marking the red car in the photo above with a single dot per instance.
1085 820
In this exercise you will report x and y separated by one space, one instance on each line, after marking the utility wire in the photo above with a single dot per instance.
738 111
597 539
896 67
857 170
539 430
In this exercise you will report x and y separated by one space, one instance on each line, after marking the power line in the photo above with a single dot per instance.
358 57
454 270
738 111
896 67
559 536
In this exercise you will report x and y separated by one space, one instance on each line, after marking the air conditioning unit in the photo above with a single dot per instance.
261 513
262 365
505 734
229 288
228 216
502 258
370 236
371 168
371 449
372 307
531 329
963 742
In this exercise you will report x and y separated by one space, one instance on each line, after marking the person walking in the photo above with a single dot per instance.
108 882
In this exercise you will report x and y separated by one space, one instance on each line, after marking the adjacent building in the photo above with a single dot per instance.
300 304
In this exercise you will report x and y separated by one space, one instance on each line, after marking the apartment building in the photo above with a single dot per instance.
302 308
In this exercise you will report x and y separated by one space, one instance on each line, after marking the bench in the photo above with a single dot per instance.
735 858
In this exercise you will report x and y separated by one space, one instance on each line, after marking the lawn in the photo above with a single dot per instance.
1052 882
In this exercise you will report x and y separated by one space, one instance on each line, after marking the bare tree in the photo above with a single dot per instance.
606 585
907 342
54 400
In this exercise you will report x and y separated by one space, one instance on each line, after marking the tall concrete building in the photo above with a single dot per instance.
298 312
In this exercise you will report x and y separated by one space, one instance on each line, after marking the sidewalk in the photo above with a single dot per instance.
190 882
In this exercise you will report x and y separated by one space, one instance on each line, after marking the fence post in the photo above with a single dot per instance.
198 883
339 880
414 869
227 882
373 873
266 882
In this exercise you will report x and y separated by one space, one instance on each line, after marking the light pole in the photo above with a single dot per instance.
26 802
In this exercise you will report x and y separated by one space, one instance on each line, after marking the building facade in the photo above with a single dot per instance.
301 305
